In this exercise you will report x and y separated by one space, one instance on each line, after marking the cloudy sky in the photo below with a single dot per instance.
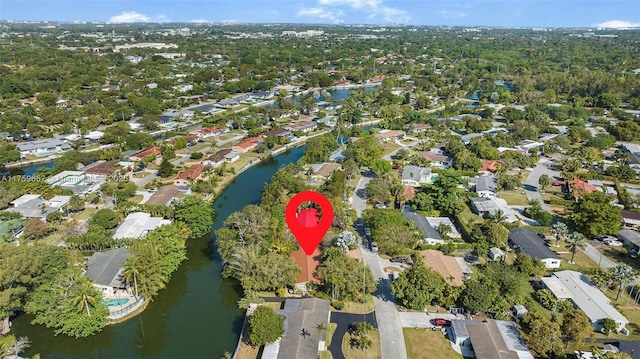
530 13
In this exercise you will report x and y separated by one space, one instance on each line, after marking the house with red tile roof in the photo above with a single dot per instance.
153 151
210 131
577 186
308 268
248 144
187 176
489 167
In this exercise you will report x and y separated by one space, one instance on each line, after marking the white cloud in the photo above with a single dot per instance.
321 13
199 21
372 8
617 24
129 16
452 14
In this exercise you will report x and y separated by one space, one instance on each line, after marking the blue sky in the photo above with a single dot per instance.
530 13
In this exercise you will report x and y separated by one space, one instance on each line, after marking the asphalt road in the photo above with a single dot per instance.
389 324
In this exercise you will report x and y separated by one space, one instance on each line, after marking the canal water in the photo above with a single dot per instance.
196 316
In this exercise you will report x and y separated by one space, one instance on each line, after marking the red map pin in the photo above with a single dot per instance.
306 225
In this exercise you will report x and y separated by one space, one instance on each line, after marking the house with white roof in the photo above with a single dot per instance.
34 206
138 224
415 176
574 286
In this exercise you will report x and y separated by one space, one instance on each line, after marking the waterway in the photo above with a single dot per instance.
196 316
337 94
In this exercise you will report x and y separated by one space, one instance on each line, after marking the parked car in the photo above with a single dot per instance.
401 259
374 247
152 190
613 243
441 322
605 237
633 253
367 231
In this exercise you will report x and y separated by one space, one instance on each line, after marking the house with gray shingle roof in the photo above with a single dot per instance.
105 269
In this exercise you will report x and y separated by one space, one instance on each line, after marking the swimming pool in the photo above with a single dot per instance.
115 302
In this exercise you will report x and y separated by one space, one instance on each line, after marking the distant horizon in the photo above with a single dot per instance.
613 14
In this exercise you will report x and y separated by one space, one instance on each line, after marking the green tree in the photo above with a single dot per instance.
346 278
105 218
76 203
622 275
559 231
265 326
576 325
574 241
608 326
544 181
34 228
478 295
179 143
166 168
196 213
593 214
418 287
543 336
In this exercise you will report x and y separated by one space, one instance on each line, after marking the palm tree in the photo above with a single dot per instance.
498 218
14 349
85 298
560 231
131 272
544 181
622 274
576 240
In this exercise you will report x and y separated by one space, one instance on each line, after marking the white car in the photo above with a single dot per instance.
613 243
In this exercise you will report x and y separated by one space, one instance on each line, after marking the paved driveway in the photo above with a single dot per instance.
344 321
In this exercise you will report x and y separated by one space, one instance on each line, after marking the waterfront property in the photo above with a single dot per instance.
80 182
247 145
308 268
42 147
138 224
524 240
186 177
574 286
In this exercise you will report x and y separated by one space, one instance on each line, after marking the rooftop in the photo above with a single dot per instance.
104 268
531 244
422 223
447 266
138 224
302 313
308 265
164 195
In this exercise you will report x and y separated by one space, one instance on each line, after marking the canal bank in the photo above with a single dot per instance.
196 316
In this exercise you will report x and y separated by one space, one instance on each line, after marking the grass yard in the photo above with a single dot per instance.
331 328
514 197
423 344
136 199
620 255
354 353
357 307
139 175
581 260
85 214
246 351
466 215
324 354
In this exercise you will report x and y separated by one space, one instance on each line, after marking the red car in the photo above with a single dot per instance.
441 322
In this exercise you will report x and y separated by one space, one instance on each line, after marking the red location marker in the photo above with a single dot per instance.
306 225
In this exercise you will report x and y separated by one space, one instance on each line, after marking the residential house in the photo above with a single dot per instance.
105 270
278 133
165 195
439 161
228 155
337 155
431 235
322 171
524 240
630 219
79 182
436 222
577 186
210 132
419 127
489 339
247 145
34 206
485 186
630 238
576 287
153 151
489 206
301 314
42 147
528 146
138 224
390 135
453 270
308 268
416 176
304 126
186 177
489 167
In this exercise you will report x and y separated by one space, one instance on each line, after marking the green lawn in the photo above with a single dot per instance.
85 214
514 198
357 307
354 353
581 260
430 344
466 215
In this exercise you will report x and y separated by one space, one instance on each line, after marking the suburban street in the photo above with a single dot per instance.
391 337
